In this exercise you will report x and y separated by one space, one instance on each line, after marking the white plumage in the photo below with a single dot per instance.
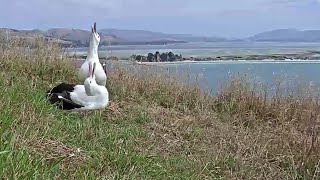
89 96
93 57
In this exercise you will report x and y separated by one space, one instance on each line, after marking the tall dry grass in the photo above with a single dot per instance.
160 87
43 60
290 117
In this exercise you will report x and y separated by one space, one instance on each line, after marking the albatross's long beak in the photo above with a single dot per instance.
95 27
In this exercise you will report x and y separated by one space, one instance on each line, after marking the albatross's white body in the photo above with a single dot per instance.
99 100
93 57
101 77
89 96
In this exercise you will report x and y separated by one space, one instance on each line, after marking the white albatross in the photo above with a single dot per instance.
93 57
89 96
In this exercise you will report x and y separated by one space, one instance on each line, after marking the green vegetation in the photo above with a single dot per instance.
170 57
155 127
157 57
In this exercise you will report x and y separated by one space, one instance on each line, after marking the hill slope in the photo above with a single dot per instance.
67 37
149 36
79 37
288 35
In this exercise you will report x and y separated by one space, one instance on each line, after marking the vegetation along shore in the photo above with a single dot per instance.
172 57
159 128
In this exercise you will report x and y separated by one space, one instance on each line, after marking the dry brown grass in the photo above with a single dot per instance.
42 61
158 88
51 150
287 122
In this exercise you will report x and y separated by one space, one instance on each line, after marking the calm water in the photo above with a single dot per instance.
213 75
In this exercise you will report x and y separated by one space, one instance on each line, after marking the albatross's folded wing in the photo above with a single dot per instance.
63 101
70 102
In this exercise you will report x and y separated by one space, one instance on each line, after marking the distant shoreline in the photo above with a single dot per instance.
229 61
308 56
78 62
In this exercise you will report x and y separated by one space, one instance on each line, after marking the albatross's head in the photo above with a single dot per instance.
94 38
90 82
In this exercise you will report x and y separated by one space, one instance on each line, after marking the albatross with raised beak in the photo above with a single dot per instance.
93 57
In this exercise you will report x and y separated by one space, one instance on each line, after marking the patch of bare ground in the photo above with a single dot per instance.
53 150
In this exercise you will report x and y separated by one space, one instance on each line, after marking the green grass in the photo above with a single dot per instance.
40 141
156 127
108 147
28 123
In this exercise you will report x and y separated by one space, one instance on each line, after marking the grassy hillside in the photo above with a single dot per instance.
156 127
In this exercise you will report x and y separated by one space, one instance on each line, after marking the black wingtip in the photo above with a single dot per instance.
62 89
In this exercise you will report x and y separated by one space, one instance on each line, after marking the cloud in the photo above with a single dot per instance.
177 16
138 8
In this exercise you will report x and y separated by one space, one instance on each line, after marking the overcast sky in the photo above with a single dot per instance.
228 18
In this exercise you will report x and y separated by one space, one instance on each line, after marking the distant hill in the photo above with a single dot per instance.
28 35
80 38
288 35
74 35
20 33
149 36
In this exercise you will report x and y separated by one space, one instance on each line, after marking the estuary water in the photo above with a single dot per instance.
213 75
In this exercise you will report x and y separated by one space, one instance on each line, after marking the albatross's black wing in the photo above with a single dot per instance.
62 87
60 95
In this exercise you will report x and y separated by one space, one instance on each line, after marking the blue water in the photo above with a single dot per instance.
214 75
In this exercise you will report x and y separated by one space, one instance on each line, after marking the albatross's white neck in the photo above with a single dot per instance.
93 51
87 89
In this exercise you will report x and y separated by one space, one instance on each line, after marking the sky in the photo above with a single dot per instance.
226 18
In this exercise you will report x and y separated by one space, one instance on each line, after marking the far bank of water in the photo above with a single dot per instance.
206 49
